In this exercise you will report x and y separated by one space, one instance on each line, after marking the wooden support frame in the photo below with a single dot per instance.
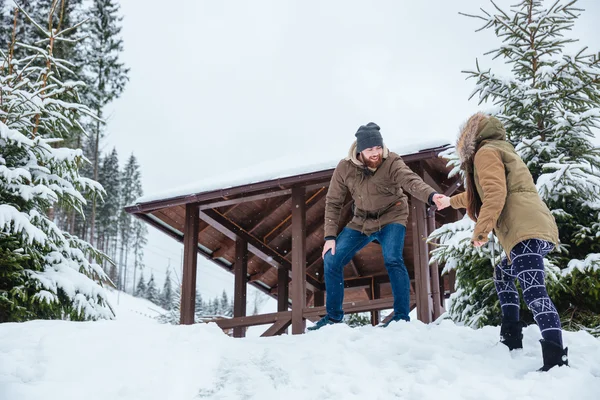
278 327
375 295
434 271
190 264
298 260
240 286
421 256
266 253
283 289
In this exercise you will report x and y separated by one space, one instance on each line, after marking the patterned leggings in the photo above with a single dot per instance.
528 267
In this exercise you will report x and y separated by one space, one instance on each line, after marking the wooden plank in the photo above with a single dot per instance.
375 294
245 199
287 222
298 260
283 289
253 320
421 268
277 328
354 307
240 278
263 251
190 264
434 271
232 231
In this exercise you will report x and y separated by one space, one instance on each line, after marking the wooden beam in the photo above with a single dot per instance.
365 281
240 278
190 264
233 231
245 199
434 272
421 258
278 203
276 206
287 222
253 320
263 251
354 269
283 289
354 307
375 294
298 260
277 328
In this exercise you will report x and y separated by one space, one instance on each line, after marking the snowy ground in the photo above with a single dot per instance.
132 309
127 359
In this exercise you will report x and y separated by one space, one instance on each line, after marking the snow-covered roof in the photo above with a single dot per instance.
276 168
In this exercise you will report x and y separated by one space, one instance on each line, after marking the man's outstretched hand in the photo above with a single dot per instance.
441 201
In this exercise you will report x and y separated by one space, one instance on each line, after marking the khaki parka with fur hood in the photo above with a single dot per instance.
511 205
379 197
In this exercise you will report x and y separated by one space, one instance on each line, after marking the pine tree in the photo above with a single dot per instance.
225 306
131 188
140 290
173 316
105 74
140 231
550 106
108 210
151 291
200 308
51 274
166 297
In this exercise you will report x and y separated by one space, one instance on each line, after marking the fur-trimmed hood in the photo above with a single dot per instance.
478 128
352 154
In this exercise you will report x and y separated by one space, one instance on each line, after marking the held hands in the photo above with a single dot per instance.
329 245
441 201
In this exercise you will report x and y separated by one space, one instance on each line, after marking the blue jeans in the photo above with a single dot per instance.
348 243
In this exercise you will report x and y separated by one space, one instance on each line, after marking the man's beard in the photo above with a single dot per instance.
373 163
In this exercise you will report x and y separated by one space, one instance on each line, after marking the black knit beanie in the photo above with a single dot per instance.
368 136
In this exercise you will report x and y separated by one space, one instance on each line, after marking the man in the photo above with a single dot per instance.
377 179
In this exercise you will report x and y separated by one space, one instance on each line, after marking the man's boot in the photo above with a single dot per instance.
553 354
511 334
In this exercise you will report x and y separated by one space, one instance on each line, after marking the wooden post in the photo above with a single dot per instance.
421 266
298 260
240 279
434 271
190 264
375 294
283 292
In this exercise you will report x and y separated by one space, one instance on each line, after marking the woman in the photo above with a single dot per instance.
501 196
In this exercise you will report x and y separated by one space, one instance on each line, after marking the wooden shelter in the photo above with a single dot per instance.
269 234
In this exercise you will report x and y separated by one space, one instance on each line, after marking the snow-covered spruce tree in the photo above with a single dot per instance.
550 106
131 189
151 291
140 289
108 211
48 273
166 296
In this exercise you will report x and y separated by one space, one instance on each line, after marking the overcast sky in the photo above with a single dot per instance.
218 85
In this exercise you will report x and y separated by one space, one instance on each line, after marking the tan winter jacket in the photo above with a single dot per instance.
511 207
379 197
